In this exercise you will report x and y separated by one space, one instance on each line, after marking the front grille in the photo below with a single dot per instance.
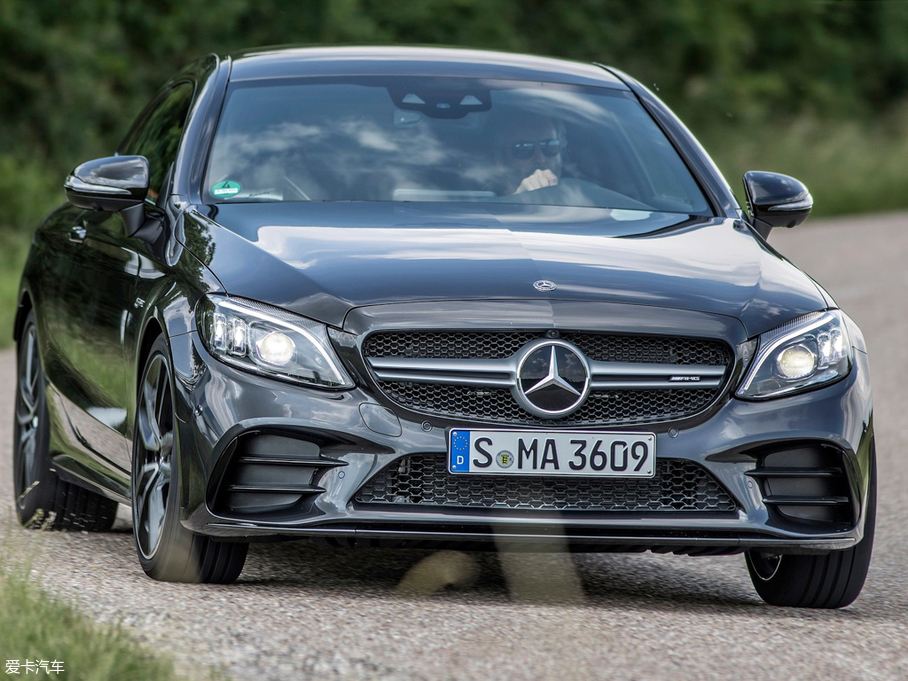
625 404
422 480
497 404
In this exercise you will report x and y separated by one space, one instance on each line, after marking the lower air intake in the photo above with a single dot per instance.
423 480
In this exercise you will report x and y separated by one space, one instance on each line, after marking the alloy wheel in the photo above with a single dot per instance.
28 414
154 448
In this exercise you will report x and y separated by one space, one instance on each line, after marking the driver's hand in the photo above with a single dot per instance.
538 180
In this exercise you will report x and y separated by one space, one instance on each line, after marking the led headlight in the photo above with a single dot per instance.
806 353
270 341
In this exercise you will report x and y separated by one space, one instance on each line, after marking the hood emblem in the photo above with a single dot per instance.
544 285
553 379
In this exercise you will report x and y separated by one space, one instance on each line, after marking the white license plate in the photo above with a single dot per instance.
515 452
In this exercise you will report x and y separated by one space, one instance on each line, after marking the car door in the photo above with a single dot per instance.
60 288
107 265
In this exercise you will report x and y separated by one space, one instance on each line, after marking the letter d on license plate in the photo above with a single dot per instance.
514 452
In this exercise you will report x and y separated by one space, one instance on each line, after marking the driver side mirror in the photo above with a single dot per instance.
110 184
776 200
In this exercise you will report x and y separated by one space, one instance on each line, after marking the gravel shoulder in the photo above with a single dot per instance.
302 611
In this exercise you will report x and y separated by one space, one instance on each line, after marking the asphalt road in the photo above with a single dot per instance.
301 611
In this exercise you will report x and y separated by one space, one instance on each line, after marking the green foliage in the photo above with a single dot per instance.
28 189
75 72
851 167
770 81
27 186
13 249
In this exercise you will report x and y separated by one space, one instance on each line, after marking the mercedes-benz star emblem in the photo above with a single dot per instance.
553 378
544 285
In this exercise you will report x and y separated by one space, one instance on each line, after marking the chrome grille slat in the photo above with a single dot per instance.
666 384
479 372
488 380
437 364
502 373
654 369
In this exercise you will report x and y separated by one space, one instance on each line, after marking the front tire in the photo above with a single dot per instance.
168 551
43 500
831 580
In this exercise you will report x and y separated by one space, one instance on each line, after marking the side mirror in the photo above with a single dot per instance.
776 200
110 184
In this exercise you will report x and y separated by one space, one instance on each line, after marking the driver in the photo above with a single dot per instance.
530 153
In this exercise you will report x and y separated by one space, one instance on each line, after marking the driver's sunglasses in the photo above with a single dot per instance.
524 150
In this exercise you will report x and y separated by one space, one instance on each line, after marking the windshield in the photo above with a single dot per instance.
444 139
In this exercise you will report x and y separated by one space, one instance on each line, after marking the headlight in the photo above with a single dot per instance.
806 353
269 341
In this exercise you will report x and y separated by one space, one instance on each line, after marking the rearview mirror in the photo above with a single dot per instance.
776 200
109 184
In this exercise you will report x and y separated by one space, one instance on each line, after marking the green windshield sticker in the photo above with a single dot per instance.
226 189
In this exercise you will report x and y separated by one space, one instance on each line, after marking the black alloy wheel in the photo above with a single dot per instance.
43 500
167 550
30 424
154 426
830 580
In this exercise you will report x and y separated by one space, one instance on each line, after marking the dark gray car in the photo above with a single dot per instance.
424 297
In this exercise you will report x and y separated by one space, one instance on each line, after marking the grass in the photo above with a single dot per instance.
850 167
34 626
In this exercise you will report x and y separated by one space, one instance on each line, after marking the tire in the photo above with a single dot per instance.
831 580
43 500
167 551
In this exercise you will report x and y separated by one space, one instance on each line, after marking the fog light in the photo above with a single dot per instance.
795 362
275 349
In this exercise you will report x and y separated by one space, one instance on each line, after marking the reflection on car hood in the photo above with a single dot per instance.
321 260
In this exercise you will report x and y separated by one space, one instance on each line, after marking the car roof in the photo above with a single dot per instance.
289 62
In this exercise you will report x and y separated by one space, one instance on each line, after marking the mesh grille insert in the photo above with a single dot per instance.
448 345
497 404
499 345
423 480
656 349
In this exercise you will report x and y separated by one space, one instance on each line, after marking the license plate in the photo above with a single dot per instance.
514 452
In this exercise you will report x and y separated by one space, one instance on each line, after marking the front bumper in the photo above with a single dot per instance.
218 404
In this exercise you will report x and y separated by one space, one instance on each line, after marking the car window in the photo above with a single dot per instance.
157 137
444 139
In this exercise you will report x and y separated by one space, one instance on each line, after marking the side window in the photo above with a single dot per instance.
158 135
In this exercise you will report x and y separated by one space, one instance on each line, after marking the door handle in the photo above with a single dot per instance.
77 234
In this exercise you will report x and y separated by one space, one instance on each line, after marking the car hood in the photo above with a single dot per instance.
323 259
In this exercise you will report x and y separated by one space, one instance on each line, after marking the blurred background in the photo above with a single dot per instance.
817 89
